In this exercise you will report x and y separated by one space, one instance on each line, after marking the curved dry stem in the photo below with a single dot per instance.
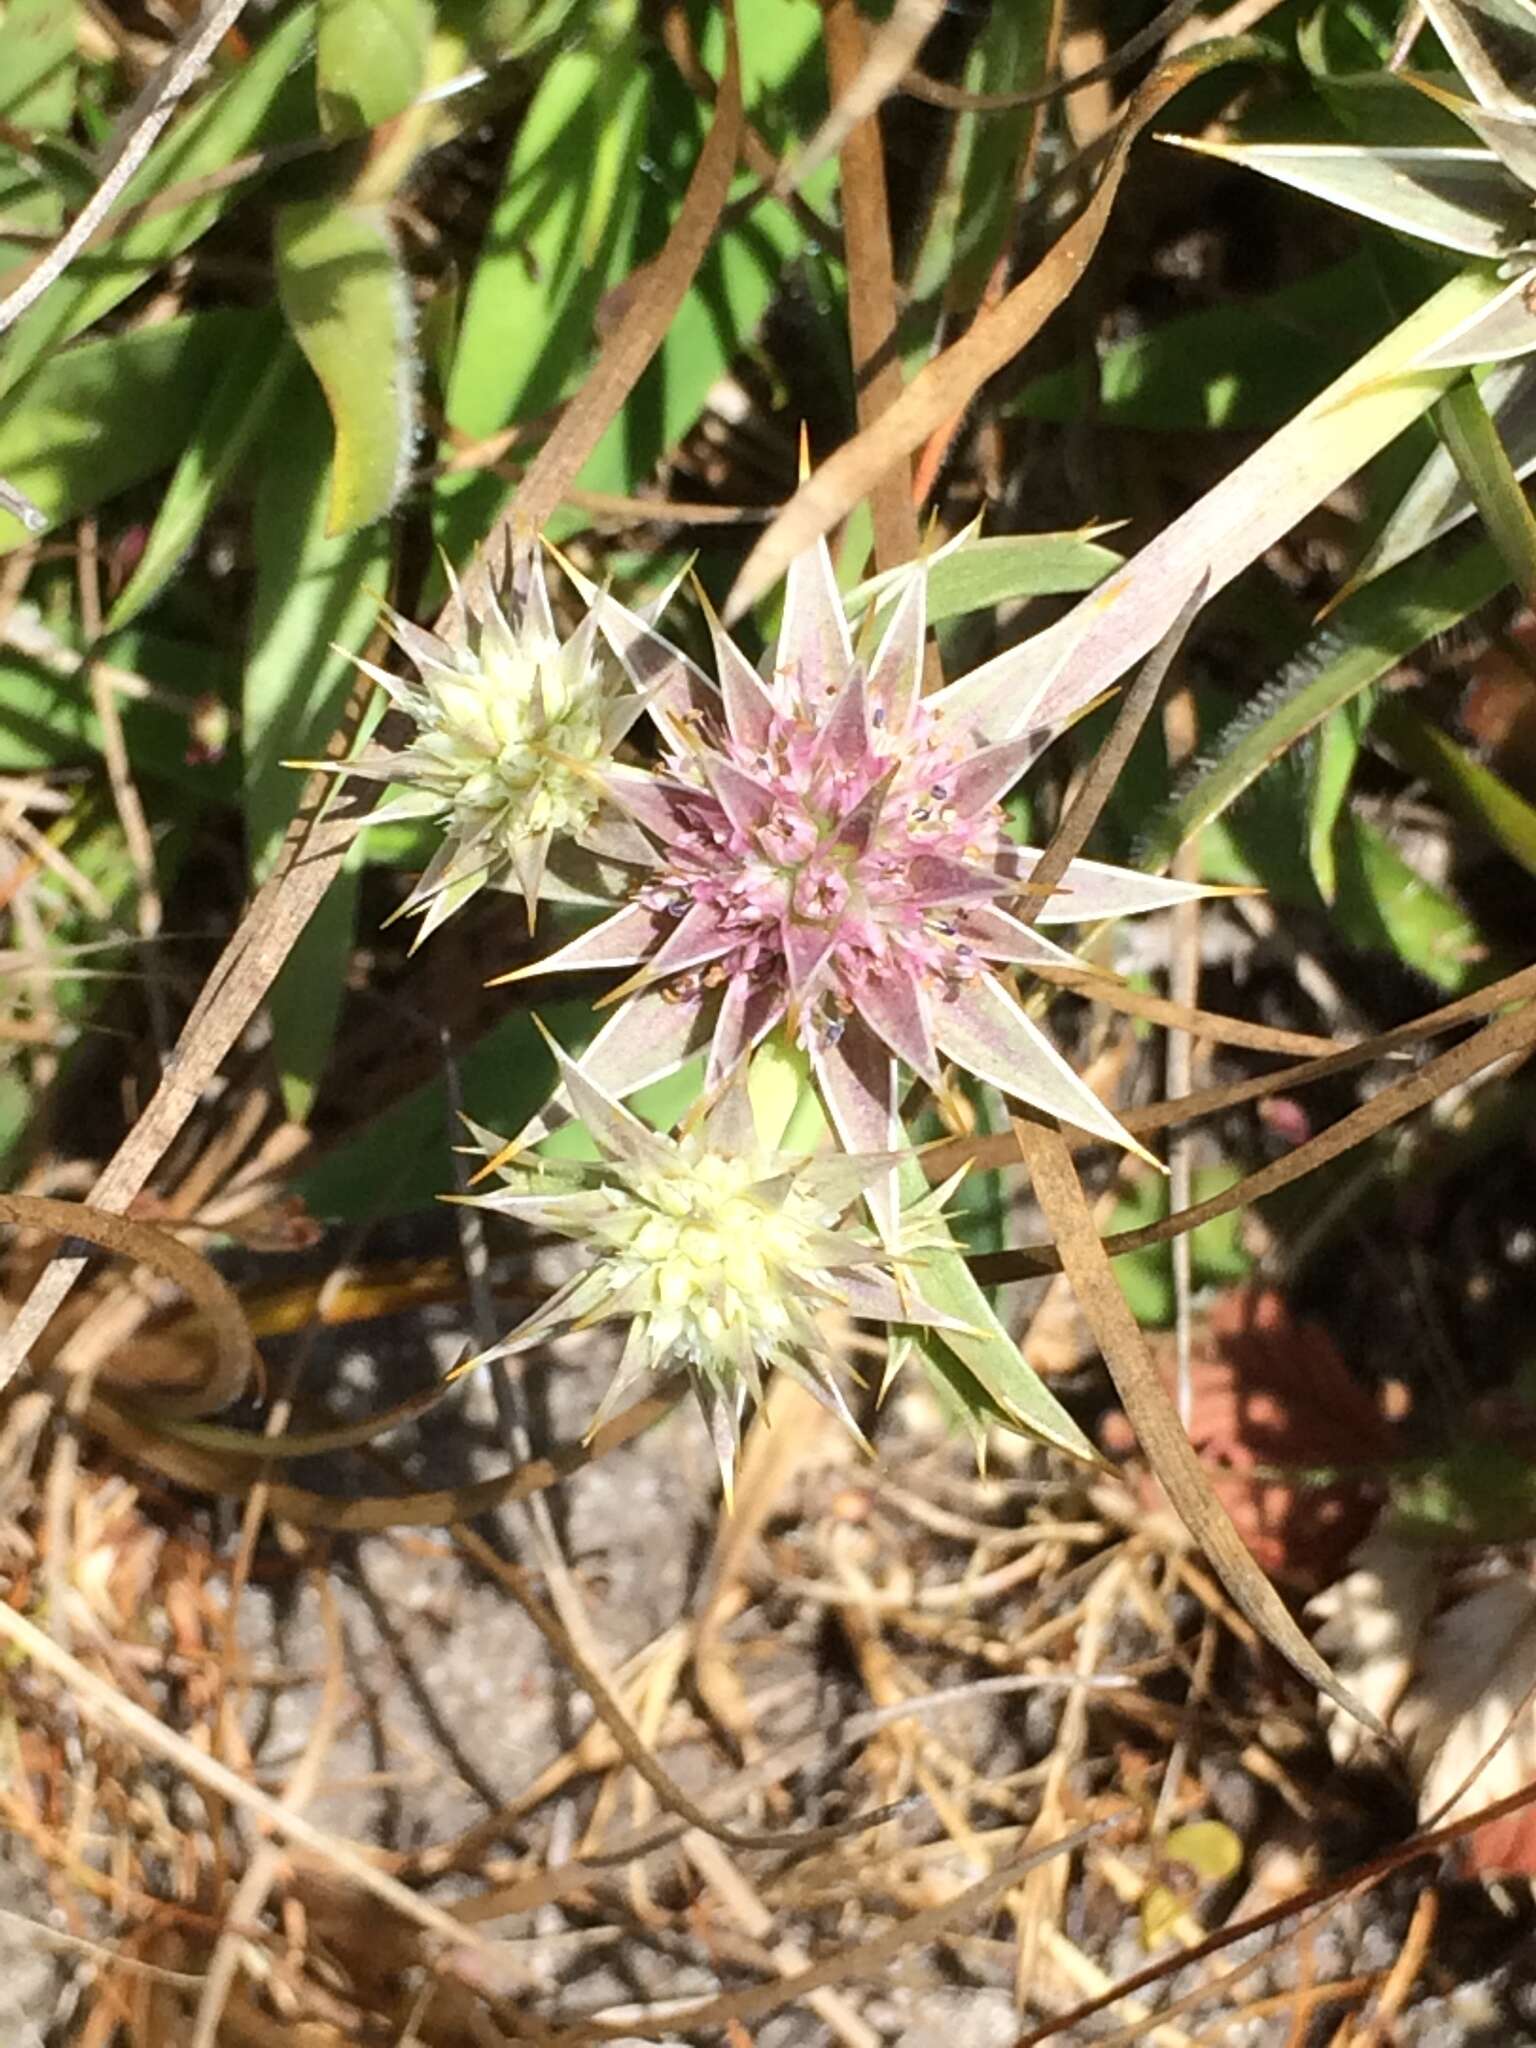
146 1244
435 1508
1511 1036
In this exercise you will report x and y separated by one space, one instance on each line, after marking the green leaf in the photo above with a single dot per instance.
37 64
1382 905
560 235
1005 568
990 1355
1368 636
370 59
1464 425
103 415
1437 499
555 241
317 596
268 100
1246 365
400 1161
1331 768
347 301
743 270
1475 793
976 208
259 364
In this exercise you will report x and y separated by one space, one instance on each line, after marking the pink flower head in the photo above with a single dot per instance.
828 850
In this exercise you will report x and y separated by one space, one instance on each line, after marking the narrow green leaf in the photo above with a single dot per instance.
991 1356
556 239
37 64
1484 466
1437 500
260 362
561 235
743 269
1382 904
103 415
342 287
268 100
1369 634
1331 768
370 59
975 210
1001 570
316 593
1476 793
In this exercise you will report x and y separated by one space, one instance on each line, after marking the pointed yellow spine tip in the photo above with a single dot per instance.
641 978
508 1152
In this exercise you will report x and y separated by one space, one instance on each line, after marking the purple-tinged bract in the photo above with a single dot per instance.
829 848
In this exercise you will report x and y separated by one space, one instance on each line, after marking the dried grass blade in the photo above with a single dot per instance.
1510 1036
1210 1025
892 49
1313 1901
433 1509
871 279
948 1156
311 856
146 1245
101 1703
313 851
949 383
863 1960
1071 835
1069 1215
631 1746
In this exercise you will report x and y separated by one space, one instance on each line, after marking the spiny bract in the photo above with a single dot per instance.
826 848
513 726
723 1253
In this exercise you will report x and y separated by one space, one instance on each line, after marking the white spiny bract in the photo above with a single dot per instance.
826 854
513 729
1471 196
723 1254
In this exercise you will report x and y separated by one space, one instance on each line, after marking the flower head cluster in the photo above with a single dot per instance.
512 726
827 849
722 1253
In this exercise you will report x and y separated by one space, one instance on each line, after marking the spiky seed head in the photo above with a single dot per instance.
514 727
724 1255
